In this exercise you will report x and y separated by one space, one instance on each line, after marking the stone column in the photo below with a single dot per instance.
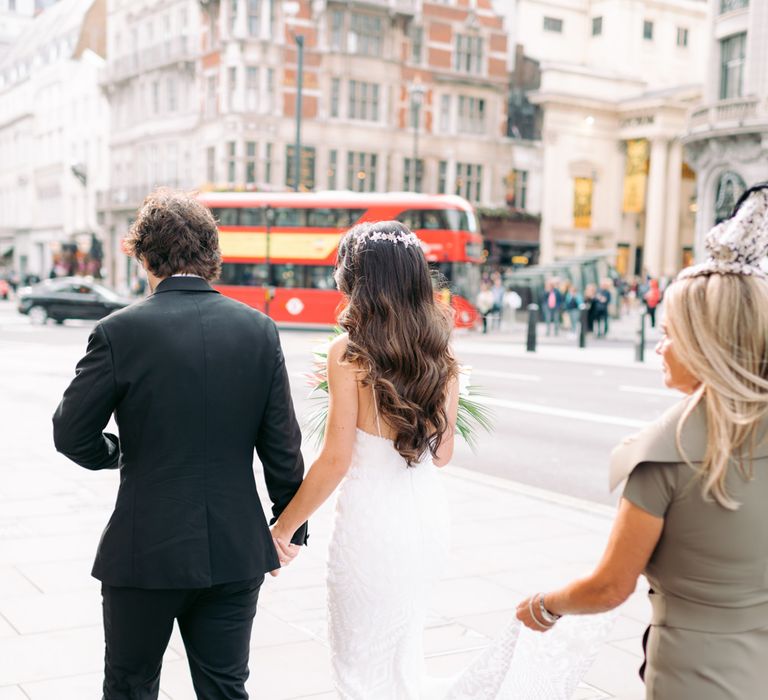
672 248
654 217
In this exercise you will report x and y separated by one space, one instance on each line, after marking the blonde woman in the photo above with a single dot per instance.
694 513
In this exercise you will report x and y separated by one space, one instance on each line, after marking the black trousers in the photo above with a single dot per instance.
215 624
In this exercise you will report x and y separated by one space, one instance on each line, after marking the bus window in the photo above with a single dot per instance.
411 218
252 217
434 219
321 277
243 274
288 276
438 219
226 216
333 218
290 217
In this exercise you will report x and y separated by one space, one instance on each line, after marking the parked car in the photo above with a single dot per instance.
68 297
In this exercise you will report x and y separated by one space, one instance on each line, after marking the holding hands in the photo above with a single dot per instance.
286 551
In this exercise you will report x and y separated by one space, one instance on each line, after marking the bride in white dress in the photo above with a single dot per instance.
393 399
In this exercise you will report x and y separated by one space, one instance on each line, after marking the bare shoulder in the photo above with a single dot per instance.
338 347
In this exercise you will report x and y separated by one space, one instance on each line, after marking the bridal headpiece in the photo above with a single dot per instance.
403 237
737 245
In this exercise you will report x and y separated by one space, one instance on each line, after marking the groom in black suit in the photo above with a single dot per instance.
195 382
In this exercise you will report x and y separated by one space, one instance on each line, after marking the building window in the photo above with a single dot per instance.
231 162
363 101
210 164
211 104
553 24
597 26
337 30
335 96
254 17
648 30
268 163
732 55
468 54
417 44
307 166
469 179
361 171
333 166
682 37
172 94
232 87
269 103
445 114
232 15
251 88
409 185
520 191
156 96
250 162
11 5
731 5
442 177
366 35
730 186
471 115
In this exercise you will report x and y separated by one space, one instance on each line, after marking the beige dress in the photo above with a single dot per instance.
709 572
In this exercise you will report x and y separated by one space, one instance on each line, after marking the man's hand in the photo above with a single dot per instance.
286 552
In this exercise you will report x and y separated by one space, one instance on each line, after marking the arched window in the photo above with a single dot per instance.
730 187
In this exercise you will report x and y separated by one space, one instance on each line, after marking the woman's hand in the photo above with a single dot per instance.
528 612
286 551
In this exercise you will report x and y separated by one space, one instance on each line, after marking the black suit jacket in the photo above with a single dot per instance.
195 381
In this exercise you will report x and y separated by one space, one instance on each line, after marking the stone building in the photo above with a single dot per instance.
396 95
618 79
53 139
726 140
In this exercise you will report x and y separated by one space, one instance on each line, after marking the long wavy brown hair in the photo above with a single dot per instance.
399 334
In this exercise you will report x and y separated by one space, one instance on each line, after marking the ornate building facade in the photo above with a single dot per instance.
726 139
618 79
396 95
54 123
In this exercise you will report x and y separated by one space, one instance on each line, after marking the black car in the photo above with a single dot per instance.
68 297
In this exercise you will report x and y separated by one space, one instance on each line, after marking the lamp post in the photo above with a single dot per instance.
291 9
416 92
269 214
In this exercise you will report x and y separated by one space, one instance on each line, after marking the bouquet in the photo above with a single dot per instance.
472 415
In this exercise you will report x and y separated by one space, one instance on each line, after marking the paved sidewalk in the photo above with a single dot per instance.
509 540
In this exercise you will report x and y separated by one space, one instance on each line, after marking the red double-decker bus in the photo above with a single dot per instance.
279 250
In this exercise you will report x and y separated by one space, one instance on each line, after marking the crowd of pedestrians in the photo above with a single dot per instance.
561 301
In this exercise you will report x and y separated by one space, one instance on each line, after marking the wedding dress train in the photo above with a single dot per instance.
389 543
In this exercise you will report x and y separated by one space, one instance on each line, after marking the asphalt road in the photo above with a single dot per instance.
558 414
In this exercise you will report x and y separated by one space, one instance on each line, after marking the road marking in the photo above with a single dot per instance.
506 375
668 393
563 412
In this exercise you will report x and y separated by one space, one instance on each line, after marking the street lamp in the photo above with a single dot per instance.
291 9
416 93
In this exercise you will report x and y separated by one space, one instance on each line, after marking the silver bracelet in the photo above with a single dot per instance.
533 615
548 617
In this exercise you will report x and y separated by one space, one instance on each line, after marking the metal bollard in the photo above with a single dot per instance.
583 323
640 344
533 317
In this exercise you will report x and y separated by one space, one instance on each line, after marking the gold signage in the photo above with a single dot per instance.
582 202
636 176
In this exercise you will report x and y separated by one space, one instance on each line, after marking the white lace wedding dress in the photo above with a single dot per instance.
389 542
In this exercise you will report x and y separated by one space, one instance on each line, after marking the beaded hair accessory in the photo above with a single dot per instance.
405 238
737 245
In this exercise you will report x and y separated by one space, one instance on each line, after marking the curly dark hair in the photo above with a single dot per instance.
398 334
174 233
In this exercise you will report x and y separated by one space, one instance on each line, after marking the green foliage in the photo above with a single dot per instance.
472 415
